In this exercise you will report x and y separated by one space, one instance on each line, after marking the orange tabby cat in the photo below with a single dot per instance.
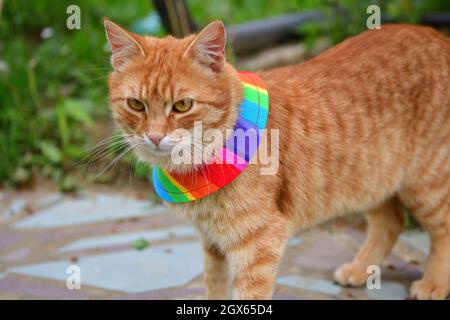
363 127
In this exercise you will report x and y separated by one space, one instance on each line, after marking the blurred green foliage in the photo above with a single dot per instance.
344 18
53 94
241 11
53 91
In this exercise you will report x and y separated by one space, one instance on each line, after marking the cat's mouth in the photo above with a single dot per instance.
153 151
158 150
179 156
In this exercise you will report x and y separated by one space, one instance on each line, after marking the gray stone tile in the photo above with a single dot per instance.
418 240
295 241
49 200
397 268
129 238
307 283
26 288
16 207
103 207
285 296
129 271
172 293
326 253
388 291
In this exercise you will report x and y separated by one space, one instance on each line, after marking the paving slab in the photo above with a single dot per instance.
17 288
78 211
49 200
171 293
129 271
325 253
388 291
129 238
295 241
418 240
308 283
16 207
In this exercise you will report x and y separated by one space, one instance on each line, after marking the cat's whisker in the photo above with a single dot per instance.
131 165
108 141
95 156
107 150
115 160
101 154
103 151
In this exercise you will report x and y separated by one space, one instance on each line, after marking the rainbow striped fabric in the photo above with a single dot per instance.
234 156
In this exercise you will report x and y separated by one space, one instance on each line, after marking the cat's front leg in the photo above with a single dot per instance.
216 273
253 261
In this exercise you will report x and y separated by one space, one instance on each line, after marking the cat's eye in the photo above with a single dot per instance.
135 104
183 105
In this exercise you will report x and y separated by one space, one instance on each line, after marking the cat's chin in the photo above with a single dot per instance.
164 160
160 158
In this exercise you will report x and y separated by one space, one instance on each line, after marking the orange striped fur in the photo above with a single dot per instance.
363 127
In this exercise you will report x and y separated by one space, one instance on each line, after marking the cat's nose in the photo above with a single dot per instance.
155 138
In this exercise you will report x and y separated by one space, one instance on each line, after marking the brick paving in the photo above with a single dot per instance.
41 234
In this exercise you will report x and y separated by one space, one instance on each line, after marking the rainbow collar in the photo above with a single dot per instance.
254 109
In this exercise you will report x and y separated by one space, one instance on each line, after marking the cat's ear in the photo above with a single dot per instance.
124 46
209 46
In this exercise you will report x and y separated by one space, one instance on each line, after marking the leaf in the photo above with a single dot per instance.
140 244
51 152
104 178
68 184
56 174
62 124
141 169
77 110
21 176
74 152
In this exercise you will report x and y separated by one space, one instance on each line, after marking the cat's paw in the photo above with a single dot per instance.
427 290
351 274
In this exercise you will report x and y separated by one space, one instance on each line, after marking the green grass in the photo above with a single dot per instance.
53 94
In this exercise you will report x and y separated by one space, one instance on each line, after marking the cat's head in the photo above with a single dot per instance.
159 86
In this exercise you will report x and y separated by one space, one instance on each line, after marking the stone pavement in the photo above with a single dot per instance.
42 234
